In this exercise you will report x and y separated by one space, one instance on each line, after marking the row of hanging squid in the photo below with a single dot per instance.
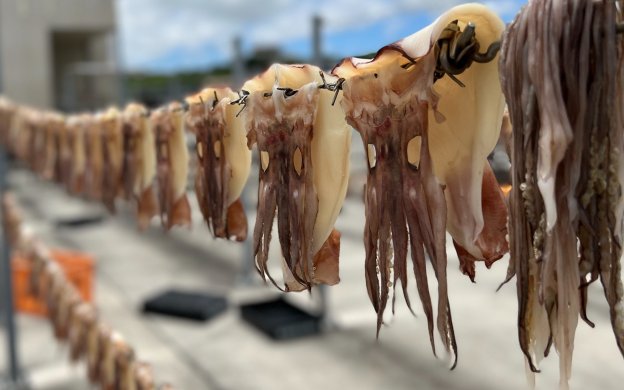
110 361
429 110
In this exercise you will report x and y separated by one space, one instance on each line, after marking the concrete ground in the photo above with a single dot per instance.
226 353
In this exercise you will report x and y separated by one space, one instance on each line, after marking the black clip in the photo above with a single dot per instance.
288 92
456 50
216 100
242 100
335 87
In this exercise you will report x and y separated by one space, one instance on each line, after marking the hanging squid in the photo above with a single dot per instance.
82 317
562 70
429 117
11 220
97 339
172 160
64 153
53 125
37 146
94 175
64 298
112 156
143 377
76 129
18 134
117 364
7 113
303 144
139 163
223 160
108 365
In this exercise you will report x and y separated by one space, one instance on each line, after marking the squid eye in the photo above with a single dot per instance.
264 160
372 156
413 151
298 161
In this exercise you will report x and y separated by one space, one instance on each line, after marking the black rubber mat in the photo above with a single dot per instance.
186 304
280 320
81 221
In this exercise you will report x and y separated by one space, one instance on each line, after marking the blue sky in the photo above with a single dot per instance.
173 35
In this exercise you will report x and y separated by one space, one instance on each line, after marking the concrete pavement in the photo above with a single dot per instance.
228 354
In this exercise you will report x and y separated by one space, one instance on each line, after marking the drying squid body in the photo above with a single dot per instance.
139 163
144 377
113 344
427 147
304 145
78 160
37 146
98 335
172 160
82 317
223 160
566 104
64 154
7 113
112 156
54 124
94 159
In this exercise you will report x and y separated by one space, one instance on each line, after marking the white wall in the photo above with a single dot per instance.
25 41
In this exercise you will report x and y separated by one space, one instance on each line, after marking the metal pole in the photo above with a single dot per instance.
238 62
317 51
317 59
7 286
238 77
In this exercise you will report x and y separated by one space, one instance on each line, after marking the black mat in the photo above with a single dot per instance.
186 304
76 222
280 320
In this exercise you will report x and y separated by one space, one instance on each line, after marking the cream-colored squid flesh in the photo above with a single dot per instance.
224 160
139 163
562 70
172 165
429 117
304 145
112 156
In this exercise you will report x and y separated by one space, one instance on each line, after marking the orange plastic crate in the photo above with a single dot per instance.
78 268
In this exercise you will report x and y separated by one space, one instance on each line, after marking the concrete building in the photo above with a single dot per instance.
58 53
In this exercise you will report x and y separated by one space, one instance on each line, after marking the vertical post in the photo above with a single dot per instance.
317 59
6 284
6 275
238 62
238 77
317 51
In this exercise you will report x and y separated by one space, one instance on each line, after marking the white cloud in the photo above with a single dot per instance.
150 29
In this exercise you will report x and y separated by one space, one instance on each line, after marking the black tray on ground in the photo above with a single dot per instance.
76 222
280 320
186 304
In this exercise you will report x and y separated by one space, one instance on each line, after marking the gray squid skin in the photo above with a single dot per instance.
566 168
